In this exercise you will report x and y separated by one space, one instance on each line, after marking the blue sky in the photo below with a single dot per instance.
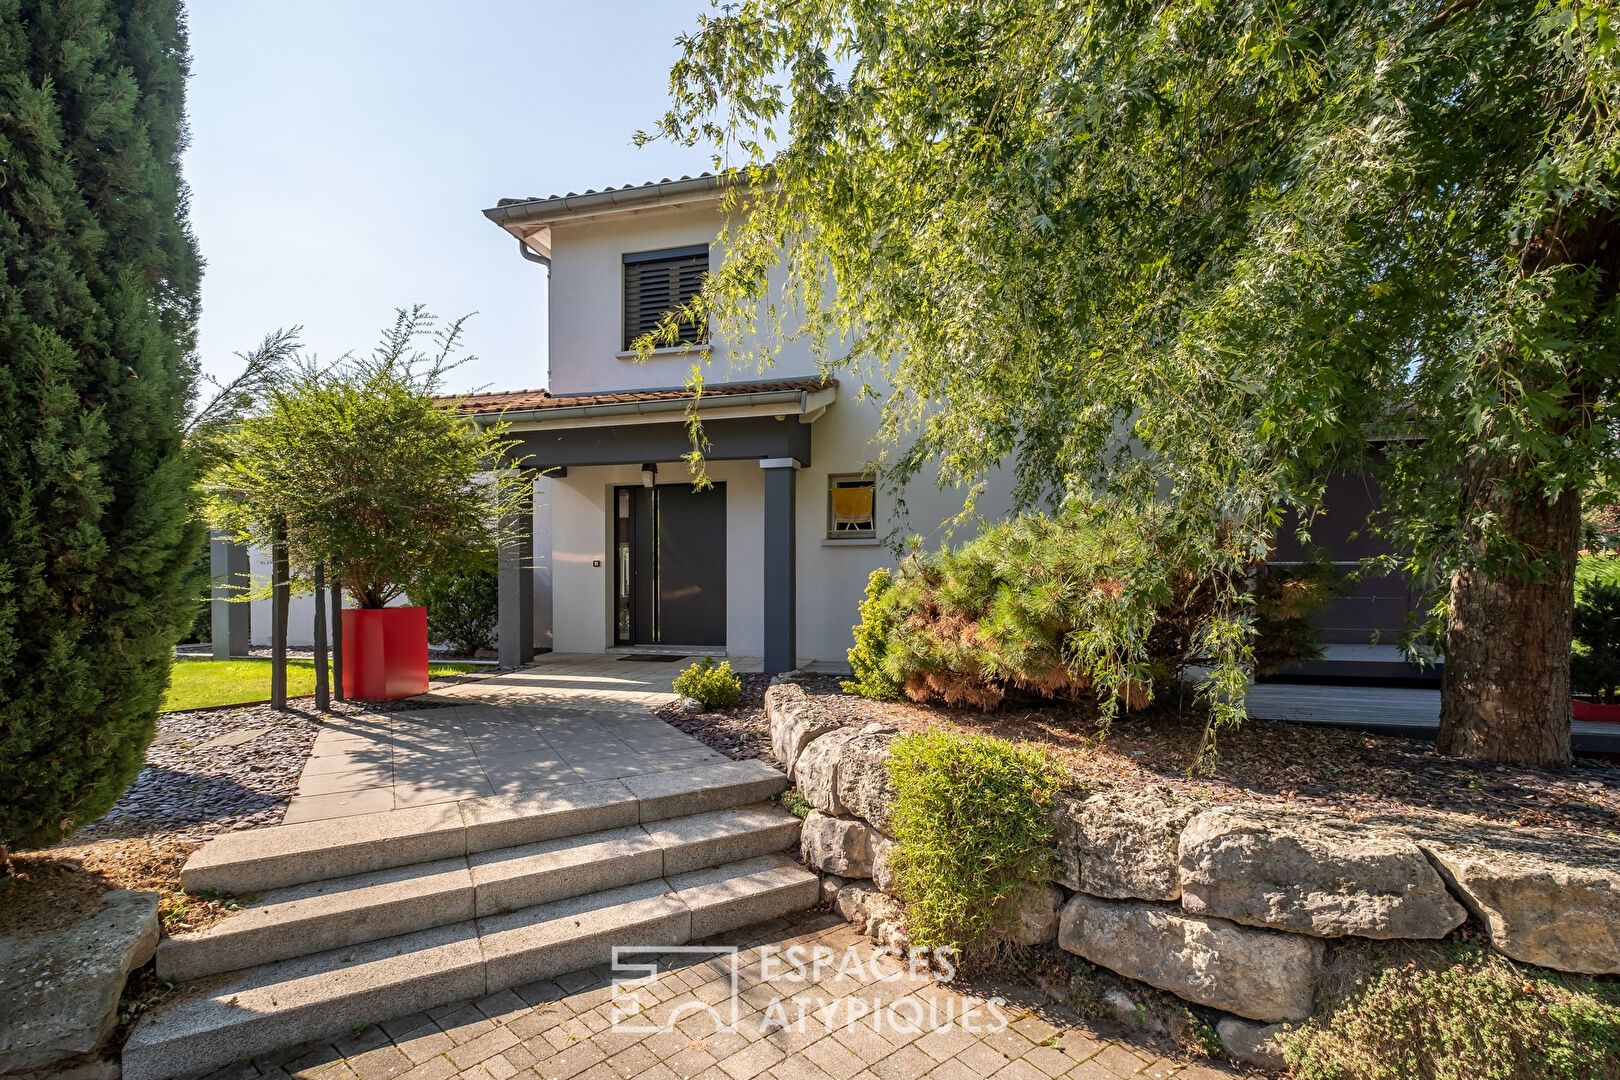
341 153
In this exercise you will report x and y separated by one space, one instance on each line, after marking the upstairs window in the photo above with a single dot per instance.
851 507
659 282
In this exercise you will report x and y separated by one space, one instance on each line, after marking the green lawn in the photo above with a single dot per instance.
197 684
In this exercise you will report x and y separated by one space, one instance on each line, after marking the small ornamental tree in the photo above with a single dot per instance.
368 465
98 303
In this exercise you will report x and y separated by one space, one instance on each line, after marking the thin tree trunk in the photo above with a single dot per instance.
323 696
337 632
280 597
1505 692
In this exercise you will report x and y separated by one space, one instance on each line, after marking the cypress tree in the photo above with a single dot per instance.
98 304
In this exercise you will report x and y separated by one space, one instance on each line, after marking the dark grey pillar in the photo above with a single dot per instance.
515 622
781 570
323 696
228 574
280 598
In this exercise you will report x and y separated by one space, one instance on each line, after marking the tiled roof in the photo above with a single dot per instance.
526 400
593 191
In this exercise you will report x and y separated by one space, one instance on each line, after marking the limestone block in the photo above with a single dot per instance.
1251 1043
1037 911
61 990
796 720
1311 872
863 784
1549 898
837 845
882 873
815 770
878 916
1261 974
1121 844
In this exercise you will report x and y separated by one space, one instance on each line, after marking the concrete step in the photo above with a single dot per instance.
327 994
338 912
260 859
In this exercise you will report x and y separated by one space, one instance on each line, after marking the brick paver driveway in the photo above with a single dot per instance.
858 1014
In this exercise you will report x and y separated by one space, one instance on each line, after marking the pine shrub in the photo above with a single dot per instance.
866 657
712 685
98 304
973 827
1105 598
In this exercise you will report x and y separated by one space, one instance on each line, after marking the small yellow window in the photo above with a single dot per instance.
851 506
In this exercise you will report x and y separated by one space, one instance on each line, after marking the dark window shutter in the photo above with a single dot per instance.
656 283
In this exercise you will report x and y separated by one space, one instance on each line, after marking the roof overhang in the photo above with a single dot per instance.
530 220
806 406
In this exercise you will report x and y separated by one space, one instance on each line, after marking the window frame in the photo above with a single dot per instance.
858 479
675 257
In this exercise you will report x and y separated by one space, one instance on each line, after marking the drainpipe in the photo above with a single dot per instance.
532 255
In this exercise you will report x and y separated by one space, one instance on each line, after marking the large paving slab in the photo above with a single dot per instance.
565 1028
565 721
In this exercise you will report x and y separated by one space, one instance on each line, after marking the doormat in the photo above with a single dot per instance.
652 658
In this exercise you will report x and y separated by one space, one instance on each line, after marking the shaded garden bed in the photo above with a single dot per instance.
1263 760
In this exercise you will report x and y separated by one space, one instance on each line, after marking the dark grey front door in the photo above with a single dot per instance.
670 566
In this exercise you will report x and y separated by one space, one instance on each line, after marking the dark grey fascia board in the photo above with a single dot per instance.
544 211
742 438
561 415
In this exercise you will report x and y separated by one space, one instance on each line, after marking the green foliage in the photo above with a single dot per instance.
972 825
462 605
199 584
1594 663
713 685
1108 598
1207 251
1458 1012
368 466
866 656
1593 570
1285 598
98 304
795 803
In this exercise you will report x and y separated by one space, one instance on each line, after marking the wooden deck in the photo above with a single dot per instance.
1388 710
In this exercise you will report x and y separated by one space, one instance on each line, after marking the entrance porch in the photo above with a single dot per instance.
667 565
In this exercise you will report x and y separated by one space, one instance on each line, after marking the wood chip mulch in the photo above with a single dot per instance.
1349 772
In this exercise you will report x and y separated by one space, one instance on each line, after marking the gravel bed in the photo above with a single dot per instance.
192 791
744 733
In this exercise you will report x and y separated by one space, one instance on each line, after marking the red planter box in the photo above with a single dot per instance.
385 652
1591 710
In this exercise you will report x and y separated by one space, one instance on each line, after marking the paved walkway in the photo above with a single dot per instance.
565 720
862 1016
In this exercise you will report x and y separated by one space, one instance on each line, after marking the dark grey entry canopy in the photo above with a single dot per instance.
767 422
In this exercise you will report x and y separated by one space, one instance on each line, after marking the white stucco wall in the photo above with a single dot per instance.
585 340
586 321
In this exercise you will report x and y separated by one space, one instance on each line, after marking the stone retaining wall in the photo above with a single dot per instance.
1228 906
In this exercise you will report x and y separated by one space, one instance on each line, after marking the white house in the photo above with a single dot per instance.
772 561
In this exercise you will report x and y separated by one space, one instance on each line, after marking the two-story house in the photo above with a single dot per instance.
770 561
